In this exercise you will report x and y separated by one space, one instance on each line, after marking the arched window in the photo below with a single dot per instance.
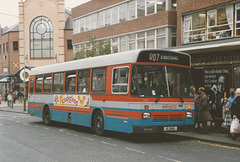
41 38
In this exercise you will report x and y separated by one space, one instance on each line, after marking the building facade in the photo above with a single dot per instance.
209 31
42 37
127 25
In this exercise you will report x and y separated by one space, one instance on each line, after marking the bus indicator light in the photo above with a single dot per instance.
146 107
189 106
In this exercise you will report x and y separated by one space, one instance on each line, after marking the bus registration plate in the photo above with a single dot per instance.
171 128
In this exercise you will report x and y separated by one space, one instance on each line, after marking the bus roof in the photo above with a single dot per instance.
92 62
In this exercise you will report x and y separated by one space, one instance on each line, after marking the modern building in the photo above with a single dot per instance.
126 24
42 37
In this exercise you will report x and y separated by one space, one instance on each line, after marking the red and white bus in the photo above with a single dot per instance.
141 91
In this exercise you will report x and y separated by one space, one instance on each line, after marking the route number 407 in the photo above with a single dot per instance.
154 57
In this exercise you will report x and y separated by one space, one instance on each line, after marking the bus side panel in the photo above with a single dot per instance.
35 111
60 116
118 124
81 119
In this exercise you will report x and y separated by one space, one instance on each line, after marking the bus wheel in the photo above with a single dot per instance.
46 116
98 123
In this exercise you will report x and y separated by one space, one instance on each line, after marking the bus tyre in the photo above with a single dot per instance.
98 123
46 116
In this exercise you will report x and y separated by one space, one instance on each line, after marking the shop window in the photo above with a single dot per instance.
115 45
99 80
7 46
47 83
114 11
131 42
151 39
15 46
120 80
220 23
123 43
83 81
236 77
38 84
58 82
161 38
194 27
107 17
70 82
237 17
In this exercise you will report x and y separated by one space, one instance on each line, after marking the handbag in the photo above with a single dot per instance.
235 126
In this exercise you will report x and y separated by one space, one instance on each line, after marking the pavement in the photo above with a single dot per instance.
219 138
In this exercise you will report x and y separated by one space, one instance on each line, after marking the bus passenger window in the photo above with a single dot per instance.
58 82
38 84
31 85
99 80
47 83
83 81
70 82
120 80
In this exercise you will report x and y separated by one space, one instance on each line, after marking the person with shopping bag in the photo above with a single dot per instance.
235 113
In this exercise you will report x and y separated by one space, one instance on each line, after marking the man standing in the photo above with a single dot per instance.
204 114
235 110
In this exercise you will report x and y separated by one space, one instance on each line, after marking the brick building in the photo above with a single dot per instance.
209 31
43 36
128 25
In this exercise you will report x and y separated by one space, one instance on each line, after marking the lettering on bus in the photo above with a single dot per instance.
72 100
166 106
158 56
155 57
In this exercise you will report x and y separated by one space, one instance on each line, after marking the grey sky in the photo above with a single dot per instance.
9 10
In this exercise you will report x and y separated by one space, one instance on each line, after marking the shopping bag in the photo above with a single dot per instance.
235 126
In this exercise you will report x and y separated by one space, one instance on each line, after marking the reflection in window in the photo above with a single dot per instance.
140 8
31 85
99 80
148 81
41 38
38 84
83 81
120 80
161 5
58 82
47 83
70 82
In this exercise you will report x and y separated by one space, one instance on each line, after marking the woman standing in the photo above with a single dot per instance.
204 114
228 118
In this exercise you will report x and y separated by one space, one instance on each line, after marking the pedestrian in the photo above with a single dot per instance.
204 114
10 100
194 94
228 118
15 95
235 110
0 99
5 96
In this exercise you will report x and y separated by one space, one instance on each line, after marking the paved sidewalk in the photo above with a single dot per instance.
213 137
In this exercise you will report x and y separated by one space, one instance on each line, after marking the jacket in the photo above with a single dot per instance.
204 113
235 109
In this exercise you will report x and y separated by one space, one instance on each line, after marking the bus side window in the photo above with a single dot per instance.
31 85
58 82
120 80
38 84
83 81
70 82
99 80
47 83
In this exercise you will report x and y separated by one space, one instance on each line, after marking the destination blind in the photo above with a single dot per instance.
159 56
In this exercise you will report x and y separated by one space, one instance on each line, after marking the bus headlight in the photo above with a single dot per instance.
189 115
146 115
